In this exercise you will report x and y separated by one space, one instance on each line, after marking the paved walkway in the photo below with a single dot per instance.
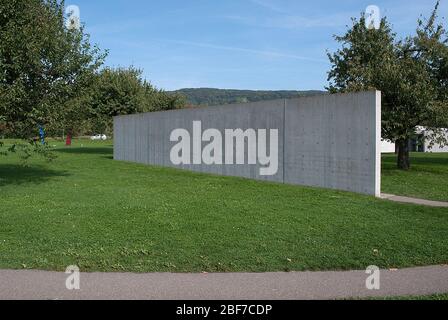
422 202
241 286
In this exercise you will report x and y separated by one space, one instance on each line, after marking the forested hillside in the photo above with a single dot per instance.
211 97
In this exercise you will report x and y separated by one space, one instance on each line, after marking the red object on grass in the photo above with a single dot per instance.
68 141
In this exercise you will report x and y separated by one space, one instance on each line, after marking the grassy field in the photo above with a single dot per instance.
103 215
427 179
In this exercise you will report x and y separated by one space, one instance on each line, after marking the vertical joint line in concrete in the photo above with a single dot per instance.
284 138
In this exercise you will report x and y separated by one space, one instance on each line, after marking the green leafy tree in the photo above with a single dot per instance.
411 74
43 66
123 91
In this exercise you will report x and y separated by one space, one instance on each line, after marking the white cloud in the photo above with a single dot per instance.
268 5
286 19
300 22
274 54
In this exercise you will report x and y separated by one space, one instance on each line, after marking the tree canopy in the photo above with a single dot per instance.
43 65
411 73
124 91
51 76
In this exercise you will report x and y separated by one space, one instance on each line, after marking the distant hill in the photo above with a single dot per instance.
213 97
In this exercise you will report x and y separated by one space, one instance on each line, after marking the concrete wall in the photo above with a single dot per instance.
329 141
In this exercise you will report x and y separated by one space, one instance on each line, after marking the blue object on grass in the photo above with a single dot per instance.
42 134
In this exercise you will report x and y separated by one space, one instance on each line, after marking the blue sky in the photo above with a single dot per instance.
238 44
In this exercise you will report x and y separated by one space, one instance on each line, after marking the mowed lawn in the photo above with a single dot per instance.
102 215
428 177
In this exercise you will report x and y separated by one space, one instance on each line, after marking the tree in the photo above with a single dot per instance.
124 91
410 73
43 66
430 45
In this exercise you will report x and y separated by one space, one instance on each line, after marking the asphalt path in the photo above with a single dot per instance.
43 285
421 202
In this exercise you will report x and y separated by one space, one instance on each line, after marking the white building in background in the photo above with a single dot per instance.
387 147
436 148
420 144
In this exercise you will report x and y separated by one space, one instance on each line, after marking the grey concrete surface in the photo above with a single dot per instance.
422 202
329 141
42 285
334 141
145 138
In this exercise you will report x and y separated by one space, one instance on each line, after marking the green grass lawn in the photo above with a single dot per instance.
427 179
103 215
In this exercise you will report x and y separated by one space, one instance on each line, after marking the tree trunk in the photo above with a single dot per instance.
403 160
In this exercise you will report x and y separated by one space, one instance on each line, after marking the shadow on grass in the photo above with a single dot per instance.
419 159
430 160
17 175
99 151
421 164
